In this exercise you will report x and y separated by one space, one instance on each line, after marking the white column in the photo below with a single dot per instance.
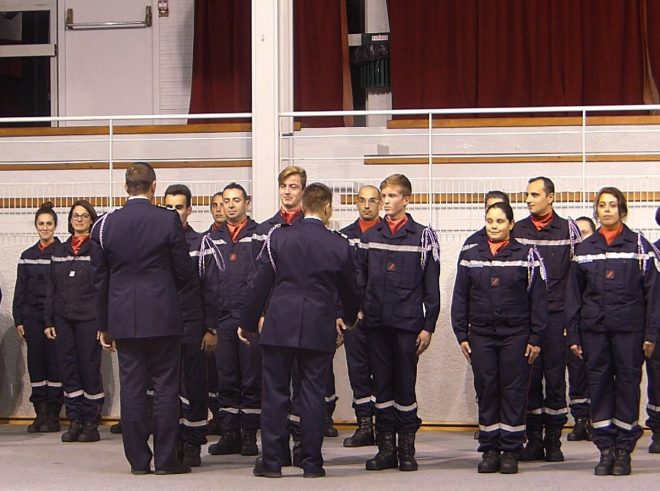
265 107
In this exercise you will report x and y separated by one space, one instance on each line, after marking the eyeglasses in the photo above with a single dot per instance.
83 216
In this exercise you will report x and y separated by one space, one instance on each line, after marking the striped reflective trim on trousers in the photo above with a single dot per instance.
601 424
184 400
364 400
555 412
294 418
397 406
94 397
230 410
331 398
624 426
586 400
536 411
192 424
75 393
245 410
502 426
652 407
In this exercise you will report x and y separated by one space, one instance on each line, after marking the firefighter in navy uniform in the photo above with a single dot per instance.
578 382
239 365
291 184
28 312
199 312
144 250
300 326
71 319
554 237
653 377
217 211
499 314
399 270
613 309
356 343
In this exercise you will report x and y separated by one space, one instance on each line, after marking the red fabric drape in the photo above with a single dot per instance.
320 59
222 57
480 53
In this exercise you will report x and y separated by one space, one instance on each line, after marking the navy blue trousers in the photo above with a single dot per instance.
501 378
614 365
194 394
653 391
154 360
276 401
79 359
394 362
42 364
239 381
356 344
212 378
546 405
578 386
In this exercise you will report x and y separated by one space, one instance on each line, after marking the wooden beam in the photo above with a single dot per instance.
201 164
508 122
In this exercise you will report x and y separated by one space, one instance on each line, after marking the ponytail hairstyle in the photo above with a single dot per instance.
46 208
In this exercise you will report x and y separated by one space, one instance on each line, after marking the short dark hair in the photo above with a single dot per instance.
179 189
139 178
88 207
622 202
548 185
46 208
399 180
215 195
589 221
496 195
234 185
504 206
315 197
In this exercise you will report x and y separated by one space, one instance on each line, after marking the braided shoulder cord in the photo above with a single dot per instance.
574 235
532 258
207 247
430 243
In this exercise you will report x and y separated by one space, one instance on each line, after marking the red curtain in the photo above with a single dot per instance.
321 77
222 57
480 53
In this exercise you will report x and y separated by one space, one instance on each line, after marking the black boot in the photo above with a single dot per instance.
115 429
190 455
621 465
228 443
364 434
581 430
249 442
509 463
52 423
604 466
490 462
655 443
552 445
406 451
386 457
41 410
90 432
74 430
534 448
329 430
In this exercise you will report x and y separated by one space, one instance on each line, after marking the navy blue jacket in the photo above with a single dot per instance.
69 286
614 288
198 303
499 296
31 283
240 268
145 261
313 267
398 292
263 228
554 244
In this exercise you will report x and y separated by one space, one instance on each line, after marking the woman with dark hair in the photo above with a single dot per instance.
28 312
499 313
613 307
70 319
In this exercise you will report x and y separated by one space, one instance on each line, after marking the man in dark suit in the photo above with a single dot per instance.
300 324
144 262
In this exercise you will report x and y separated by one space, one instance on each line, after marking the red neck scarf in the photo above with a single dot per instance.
77 242
43 247
396 225
610 235
234 230
542 222
366 225
290 216
496 247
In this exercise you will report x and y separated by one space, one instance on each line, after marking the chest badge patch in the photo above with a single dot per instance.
391 267
233 256
494 281
609 274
